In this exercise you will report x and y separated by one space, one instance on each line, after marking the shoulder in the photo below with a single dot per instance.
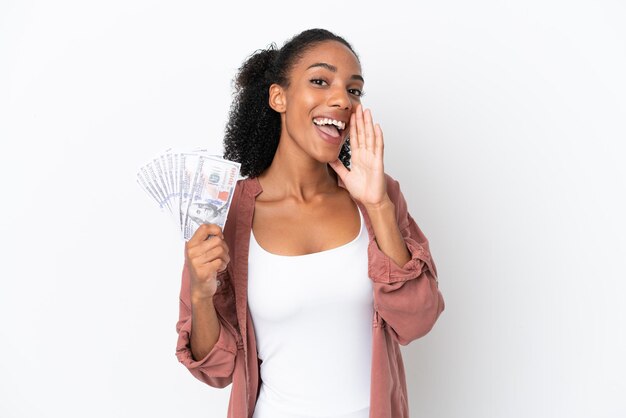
244 188
237 203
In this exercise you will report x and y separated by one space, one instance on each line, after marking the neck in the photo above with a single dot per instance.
295 175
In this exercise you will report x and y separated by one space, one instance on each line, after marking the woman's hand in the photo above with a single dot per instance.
366 178
206 253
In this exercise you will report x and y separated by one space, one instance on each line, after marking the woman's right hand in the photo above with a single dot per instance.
206 254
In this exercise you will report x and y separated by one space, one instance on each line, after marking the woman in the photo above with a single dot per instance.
329 271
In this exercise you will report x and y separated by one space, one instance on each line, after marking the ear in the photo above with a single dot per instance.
277 100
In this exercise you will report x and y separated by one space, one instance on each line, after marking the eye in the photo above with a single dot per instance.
356 92
319 82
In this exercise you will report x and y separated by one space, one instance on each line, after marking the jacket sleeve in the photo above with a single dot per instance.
406 297
216 368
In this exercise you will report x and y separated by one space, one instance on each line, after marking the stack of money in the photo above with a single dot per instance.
194 186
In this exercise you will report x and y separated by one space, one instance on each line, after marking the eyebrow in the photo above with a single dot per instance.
334 70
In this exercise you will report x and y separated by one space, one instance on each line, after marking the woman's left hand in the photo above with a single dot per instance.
366 178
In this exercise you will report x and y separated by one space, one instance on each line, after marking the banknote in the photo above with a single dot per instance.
194 186
211 193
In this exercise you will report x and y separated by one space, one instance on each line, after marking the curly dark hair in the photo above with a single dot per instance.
253 127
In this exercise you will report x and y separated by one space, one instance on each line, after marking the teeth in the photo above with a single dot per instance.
326 121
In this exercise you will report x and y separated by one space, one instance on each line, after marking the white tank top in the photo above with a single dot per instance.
312 316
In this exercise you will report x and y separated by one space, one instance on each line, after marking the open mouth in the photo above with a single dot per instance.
329 126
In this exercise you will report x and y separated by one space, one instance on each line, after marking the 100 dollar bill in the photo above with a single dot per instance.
207 191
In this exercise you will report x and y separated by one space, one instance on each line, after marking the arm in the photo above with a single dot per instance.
406 292
388 235
206 326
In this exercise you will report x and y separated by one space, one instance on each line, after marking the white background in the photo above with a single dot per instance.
503 122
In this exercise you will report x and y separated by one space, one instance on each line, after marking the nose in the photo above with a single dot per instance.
340 98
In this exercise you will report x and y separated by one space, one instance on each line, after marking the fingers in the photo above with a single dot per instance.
380 144
363 133
360 126
218 256
203 232
206 254
354 138
221 264
208 258
207 247
369 129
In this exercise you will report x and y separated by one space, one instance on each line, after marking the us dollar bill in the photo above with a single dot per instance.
194 186
210 194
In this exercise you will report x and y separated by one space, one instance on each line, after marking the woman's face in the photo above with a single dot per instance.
324 89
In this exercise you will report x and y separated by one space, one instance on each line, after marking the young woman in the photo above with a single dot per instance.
320 271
